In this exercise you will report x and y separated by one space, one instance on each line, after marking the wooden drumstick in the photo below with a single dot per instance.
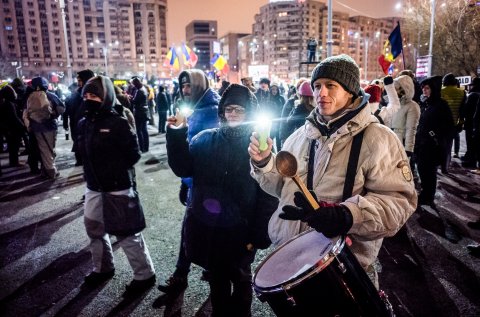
287 166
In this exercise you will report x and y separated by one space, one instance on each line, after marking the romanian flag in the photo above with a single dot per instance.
172 59
218 62
189 56
395 40
391 49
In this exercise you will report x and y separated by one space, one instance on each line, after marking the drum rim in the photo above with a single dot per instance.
338 245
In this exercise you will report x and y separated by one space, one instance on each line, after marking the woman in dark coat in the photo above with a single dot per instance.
162 108
227 217
10 124
435 128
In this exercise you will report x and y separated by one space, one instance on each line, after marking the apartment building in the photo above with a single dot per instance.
119 38
282 29
201 36
366 38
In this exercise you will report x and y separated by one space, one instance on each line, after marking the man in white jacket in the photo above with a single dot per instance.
383 194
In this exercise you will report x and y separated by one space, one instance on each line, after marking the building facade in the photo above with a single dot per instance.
201 36
119 38
282 29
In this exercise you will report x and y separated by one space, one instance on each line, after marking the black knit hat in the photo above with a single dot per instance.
342 69
236 94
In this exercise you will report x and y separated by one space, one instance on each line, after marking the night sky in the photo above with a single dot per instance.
237 15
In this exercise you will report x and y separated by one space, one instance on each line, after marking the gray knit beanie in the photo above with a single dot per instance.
341 68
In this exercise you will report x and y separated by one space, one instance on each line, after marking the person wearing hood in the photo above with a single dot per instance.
40 117
122 107
405 120
10 124
197 110
470 114
110 150
227 216
389 105
435 128
472 126
371 201
75 111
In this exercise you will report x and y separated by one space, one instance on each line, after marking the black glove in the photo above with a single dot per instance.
330 219
388 80
182 195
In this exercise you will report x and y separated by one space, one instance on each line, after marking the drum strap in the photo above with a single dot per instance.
351 167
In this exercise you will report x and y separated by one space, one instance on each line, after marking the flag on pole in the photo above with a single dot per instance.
391 49
189 56
396 42
172 59
218 62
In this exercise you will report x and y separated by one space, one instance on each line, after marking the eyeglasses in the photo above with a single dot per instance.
238 110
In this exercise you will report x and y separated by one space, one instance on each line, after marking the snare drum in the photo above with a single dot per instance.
311 275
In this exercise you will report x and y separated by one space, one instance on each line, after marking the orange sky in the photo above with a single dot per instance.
237 15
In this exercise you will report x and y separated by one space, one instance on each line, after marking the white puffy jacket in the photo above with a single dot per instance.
405 120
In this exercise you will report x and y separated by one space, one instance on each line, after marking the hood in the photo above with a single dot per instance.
198 81
449 80
18 85
102 87
8 93
435 84
406 83
85 75
40 83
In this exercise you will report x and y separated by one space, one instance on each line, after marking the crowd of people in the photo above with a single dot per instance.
361 152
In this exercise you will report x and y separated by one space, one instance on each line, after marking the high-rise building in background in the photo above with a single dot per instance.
201 36
282 29
118 37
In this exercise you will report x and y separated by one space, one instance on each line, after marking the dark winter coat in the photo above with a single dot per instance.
435 128
162 102
9 120
140 104
74 111
109 147
296 119
228 209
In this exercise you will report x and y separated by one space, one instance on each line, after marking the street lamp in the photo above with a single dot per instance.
430 47
65 39
105 52
144 66
17 68
253 49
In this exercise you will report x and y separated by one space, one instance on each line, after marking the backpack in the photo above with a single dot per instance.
39 108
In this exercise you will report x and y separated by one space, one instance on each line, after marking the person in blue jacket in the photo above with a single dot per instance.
227 213
198 106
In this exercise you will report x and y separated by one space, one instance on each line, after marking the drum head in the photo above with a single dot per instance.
292 259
